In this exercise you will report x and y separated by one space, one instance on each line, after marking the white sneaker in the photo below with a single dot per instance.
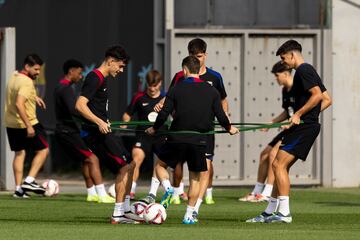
259 219
248 198
122 220
260 198
279 218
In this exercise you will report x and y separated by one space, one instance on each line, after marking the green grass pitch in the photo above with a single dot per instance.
317 214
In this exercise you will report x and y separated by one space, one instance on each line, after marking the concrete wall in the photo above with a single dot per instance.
346 93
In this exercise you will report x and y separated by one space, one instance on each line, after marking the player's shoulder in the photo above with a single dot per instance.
306 67
63 85
91 74
95 78
213 73
138 96
95 74
20 78
179 74
178 77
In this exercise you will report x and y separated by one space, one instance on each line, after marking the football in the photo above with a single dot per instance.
51 187
155 213
138 208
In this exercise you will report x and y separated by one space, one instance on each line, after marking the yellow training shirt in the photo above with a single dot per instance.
20 84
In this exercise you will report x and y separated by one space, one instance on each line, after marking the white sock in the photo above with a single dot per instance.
267 190
91 191
119 209
209 192
258 188
100 189
29 179
127 203
181 188
197 205
272 205
19 189
166 184
176 191
154 186
189 212
133 187
284 208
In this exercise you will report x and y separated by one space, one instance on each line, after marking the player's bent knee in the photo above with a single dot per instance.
21 153
160 163
44 151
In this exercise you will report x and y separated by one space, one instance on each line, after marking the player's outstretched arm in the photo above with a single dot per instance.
326 101
281 117
81 106
222 117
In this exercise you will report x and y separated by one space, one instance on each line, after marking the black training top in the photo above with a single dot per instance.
143 105
306 78
65 107
210 76
95 90
195 103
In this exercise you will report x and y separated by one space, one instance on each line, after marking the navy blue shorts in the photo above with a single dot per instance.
299 139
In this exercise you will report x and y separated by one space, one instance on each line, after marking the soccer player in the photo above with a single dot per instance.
23 128
297 140
260 192
191 113
143 104
197 47
68 132
93 106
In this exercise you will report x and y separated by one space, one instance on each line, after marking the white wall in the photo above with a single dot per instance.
346 93
7 65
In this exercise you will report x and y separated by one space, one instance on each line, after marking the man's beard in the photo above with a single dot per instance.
33 77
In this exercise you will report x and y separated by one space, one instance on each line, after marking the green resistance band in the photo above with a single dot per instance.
242 128
168 123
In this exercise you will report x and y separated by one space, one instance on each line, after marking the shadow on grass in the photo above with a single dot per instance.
75 220
339 204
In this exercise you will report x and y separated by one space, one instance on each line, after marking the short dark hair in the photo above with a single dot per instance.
153 77
280 67
196 46
33 59
191 63
117 52
290 45
71 63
